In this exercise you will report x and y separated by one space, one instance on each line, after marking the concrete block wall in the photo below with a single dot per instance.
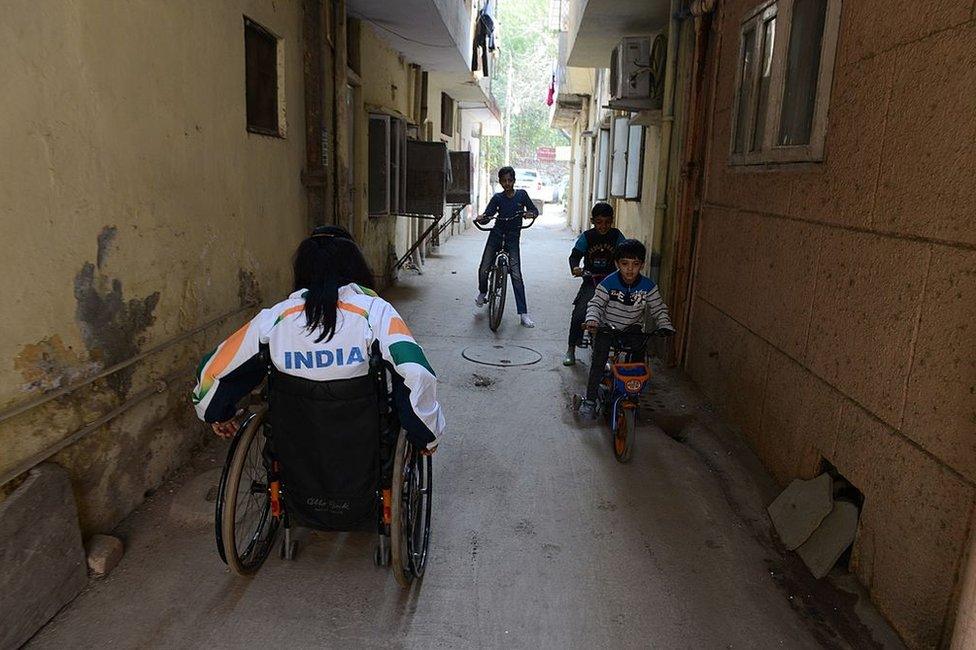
834 302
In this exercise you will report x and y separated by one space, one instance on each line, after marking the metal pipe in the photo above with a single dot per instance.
667 125
14 411
157 388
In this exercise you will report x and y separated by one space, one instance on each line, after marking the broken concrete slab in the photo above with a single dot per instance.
104 553
800 508
41 553
825 546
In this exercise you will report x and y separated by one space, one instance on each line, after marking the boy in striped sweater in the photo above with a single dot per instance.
619 303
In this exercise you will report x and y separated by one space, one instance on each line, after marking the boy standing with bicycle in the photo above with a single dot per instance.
509 205
619 303
595 247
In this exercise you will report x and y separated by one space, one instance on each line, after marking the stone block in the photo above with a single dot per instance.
781 282
41 554
869 27
801 508
842 188
104 552
940 409
927 170
726 263
829 541
799 420
865 310
913 526
729 363
748 187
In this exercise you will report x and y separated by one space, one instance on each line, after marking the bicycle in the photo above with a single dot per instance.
498 274
624 380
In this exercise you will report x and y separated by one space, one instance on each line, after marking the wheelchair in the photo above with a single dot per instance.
301 459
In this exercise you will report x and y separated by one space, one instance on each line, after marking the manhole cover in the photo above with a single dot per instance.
501 355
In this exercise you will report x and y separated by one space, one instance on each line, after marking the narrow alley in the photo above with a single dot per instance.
182 182
540 538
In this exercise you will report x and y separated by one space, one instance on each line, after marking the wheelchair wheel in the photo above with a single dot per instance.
623 433
496 295
244 524
410 523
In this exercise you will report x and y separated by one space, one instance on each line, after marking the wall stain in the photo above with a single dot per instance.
49 364
248 288
111 327
105 239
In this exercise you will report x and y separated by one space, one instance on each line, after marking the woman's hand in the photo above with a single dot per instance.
228 428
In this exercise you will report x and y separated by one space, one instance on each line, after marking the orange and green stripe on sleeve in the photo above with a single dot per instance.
219 360
409 352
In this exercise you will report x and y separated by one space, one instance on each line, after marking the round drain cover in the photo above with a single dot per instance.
501 355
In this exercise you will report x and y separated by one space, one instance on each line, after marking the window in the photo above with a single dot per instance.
627 166
783 78
262 80
387 168
447 114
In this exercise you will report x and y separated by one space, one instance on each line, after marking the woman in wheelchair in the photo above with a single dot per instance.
351 417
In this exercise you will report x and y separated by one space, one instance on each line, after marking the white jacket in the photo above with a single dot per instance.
234 367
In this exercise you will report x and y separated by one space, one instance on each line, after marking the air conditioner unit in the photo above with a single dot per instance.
630 66
637 73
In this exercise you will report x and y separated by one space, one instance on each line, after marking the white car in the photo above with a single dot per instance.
532 182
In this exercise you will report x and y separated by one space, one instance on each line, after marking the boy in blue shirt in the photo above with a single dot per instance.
595 248
619 302
509 205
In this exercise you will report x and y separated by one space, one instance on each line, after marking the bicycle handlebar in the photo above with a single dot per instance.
523 215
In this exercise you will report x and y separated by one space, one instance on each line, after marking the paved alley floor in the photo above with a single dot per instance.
541 539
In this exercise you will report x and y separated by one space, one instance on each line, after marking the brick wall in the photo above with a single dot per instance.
834 307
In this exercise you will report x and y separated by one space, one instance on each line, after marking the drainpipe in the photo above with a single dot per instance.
667 124
690 192
964 636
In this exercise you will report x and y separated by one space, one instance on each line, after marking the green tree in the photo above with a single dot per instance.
527 50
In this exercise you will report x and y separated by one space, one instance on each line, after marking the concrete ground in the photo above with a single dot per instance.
541 539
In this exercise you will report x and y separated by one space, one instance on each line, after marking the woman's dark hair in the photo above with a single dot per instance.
325 261
601 210
506 171
630 249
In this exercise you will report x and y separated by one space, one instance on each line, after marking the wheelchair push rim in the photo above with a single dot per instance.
245 526
410 525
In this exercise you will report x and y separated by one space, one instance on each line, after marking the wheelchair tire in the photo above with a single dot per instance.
496 296
623 433
410 522
245 527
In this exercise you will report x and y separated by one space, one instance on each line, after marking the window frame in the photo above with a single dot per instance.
769 151
602 168
280 128
395 157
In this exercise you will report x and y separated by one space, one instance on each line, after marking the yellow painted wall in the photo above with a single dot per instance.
135 206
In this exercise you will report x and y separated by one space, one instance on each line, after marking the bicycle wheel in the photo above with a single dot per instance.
496 297
410 521
245 526
624 432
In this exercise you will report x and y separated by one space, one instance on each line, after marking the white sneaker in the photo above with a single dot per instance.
526 321
480 299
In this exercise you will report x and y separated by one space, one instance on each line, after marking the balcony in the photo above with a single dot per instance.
595 27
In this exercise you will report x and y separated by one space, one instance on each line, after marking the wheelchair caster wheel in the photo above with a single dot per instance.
380 558
289 549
